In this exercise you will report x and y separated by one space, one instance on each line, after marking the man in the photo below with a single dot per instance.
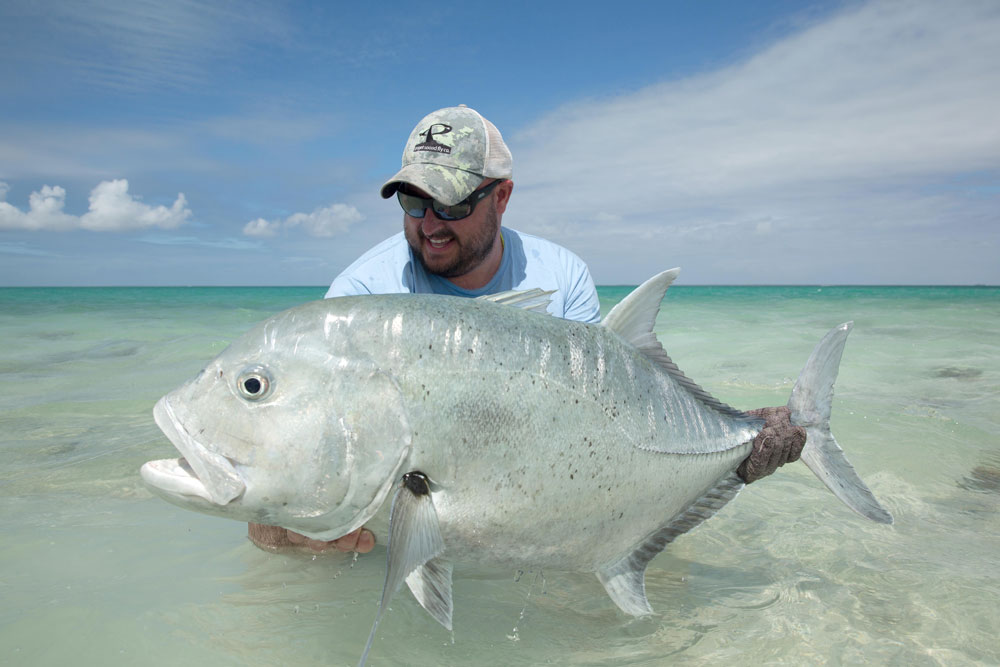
454 187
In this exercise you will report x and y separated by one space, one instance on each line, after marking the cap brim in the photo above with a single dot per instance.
445 184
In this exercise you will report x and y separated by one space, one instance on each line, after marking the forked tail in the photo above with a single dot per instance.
810 404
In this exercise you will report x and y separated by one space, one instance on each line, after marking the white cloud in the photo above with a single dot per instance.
112 209
261 227
323 222
866 123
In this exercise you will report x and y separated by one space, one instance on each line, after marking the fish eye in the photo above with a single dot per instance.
253 384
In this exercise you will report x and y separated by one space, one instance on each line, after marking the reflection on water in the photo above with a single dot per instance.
95 571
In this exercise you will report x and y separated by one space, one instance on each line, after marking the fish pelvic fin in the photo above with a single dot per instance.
810 405
414 545
625 579
431 585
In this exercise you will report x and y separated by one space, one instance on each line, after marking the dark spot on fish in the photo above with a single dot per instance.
416 482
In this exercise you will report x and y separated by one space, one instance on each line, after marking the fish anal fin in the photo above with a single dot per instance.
625 582
431 585
625 578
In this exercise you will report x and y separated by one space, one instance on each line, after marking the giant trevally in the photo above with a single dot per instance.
501 434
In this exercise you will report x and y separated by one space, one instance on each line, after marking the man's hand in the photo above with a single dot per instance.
272 538
778 443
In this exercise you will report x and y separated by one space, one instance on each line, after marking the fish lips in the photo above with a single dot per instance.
202 473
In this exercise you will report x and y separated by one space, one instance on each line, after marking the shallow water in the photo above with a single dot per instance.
96 571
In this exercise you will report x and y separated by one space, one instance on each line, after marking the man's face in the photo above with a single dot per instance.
453 248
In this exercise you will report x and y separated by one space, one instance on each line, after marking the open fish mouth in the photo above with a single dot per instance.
201 472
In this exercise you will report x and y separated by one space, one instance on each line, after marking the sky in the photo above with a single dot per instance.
244 143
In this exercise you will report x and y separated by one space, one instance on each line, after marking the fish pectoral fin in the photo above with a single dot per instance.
431 585
414 540
625 578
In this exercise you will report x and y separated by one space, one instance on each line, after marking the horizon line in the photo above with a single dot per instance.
629 285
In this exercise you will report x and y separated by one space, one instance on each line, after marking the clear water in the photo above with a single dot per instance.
96 571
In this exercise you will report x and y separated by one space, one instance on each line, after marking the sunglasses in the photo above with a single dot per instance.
415 206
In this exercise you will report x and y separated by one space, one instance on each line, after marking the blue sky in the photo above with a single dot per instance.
764 142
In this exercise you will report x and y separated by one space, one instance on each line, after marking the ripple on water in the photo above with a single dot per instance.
984 478
958 372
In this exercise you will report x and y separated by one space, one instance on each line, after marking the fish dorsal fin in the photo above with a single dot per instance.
625 579
633 318
536 300
414 543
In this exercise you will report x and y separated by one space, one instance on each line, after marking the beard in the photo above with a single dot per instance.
471 252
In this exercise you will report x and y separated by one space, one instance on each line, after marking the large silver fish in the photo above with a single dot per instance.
502 435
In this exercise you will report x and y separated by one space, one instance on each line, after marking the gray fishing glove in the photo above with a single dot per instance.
778 443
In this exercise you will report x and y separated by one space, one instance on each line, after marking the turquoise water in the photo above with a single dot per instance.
96 571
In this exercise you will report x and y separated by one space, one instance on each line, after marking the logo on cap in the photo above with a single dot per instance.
428 144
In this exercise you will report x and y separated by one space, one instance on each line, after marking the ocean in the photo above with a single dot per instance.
94 570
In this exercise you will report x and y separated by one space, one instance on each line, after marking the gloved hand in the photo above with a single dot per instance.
778 443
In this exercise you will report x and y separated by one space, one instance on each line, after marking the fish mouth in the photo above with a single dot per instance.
200 473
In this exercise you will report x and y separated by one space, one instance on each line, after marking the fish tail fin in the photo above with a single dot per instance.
810 406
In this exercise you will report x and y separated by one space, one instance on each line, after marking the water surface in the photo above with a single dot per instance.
94 570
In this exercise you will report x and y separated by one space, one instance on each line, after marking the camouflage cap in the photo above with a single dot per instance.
449 153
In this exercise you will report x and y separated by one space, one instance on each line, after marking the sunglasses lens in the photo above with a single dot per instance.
456 212
413 206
